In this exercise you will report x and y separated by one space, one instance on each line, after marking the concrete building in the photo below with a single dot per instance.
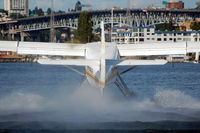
148 35
137 35
17 6
174 5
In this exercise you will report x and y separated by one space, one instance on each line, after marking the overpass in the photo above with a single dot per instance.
137 17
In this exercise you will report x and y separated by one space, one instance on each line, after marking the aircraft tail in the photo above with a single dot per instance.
102 61
102 36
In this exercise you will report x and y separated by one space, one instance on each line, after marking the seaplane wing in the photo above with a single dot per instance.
75 62
152 49
135 62
38 48
88 62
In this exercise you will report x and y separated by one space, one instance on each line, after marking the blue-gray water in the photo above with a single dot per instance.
35 97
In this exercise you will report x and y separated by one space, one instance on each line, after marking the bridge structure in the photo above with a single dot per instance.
136 18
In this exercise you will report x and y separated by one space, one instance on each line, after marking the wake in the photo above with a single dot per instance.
85 104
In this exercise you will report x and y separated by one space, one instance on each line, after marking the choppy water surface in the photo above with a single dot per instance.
35 97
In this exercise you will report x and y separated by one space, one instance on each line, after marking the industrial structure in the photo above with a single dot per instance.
17 6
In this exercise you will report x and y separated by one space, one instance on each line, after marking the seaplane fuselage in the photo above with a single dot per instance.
93 72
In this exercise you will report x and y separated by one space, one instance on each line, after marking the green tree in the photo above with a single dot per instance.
35 10
195 26
167 27
49 11
4 37
44 36
30 12
59 11
38 11
78 6
84 31
1 37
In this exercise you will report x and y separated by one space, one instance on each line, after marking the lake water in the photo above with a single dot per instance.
36 97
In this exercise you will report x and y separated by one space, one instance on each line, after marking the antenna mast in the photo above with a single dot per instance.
52 34
128 13
128 8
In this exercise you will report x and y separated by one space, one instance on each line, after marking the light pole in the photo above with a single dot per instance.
52 34
111 24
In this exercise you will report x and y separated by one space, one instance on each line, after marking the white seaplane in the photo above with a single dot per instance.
101 59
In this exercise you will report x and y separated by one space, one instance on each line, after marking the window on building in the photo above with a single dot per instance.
187 39
159 39
141 30
148 34
179 39
194 35
153 34
174 34
186 34
170 39
148 38
152 38
165 34
141 34
165 39
148 29
174 39
141 39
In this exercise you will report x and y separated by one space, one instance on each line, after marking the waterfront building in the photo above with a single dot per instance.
137 35
17 6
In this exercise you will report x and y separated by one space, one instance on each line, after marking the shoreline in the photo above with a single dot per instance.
37 62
